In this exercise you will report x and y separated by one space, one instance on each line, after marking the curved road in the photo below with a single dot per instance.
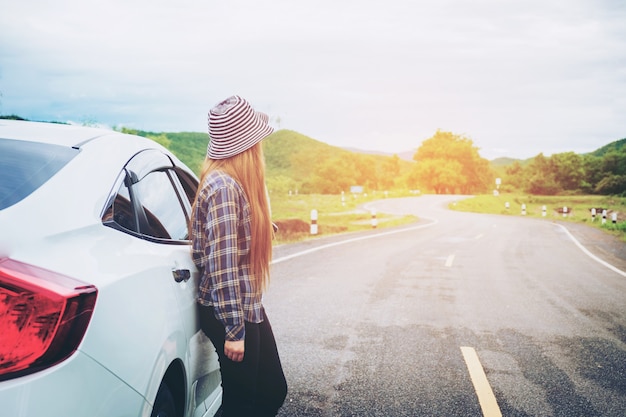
458 315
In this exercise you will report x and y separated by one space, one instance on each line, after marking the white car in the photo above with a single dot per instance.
98 289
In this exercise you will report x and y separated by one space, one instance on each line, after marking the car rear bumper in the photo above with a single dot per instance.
77 387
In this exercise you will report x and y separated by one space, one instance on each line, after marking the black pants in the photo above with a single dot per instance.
255 387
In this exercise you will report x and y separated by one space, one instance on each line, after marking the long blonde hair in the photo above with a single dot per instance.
248 169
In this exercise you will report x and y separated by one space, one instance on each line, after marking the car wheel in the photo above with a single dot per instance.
164 405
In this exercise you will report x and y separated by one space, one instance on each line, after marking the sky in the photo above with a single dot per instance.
518 78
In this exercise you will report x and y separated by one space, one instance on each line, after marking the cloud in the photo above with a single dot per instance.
516 77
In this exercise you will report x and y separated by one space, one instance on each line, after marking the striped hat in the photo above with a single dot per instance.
234 126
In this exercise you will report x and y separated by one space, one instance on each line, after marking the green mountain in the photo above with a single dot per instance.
291 154
503 162
189 147
296 161
617 146
292 159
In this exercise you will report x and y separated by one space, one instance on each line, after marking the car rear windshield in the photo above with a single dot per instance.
26 166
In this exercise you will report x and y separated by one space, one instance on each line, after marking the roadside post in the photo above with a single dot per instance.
523 209
313 222
343 199
374 221
604 216
593 214
506 205
543 211
565 211
614 217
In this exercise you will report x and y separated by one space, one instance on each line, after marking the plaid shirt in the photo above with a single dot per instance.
221 246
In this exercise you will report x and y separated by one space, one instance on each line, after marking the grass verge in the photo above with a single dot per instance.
578 209
292 215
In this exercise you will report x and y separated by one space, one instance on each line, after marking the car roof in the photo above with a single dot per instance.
53 133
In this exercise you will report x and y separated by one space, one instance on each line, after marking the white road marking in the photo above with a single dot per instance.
450 260
479 236
356 239
487 400
591 255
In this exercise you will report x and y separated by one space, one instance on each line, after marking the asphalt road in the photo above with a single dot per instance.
458 315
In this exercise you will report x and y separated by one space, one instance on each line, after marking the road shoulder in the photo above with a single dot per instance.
602 244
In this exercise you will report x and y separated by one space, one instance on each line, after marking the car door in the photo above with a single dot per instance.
159 195
203 358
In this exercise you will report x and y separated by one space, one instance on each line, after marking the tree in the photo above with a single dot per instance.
363 170
390 172
601 173
614 162
161 139
542 184
442 176
450 163
541 176
592 166
612 184
559 172
332 176
568 170
515 175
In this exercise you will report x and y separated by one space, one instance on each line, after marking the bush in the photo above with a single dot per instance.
612 184
618 227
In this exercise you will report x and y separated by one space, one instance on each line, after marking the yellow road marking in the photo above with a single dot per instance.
487 400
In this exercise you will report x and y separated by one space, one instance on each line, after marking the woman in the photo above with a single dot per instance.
232 245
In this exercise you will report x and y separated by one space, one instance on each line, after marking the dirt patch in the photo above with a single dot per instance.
292 230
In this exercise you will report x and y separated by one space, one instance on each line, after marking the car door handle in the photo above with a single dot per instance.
181 275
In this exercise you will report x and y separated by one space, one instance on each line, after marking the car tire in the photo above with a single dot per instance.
164 405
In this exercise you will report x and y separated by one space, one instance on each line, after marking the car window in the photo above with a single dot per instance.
26 166
152 198
189 183
164 213
122 210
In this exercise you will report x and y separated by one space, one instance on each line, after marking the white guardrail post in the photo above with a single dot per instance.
313 222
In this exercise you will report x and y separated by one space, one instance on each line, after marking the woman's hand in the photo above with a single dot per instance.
234 350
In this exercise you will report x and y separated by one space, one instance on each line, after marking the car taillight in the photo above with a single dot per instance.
43 317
